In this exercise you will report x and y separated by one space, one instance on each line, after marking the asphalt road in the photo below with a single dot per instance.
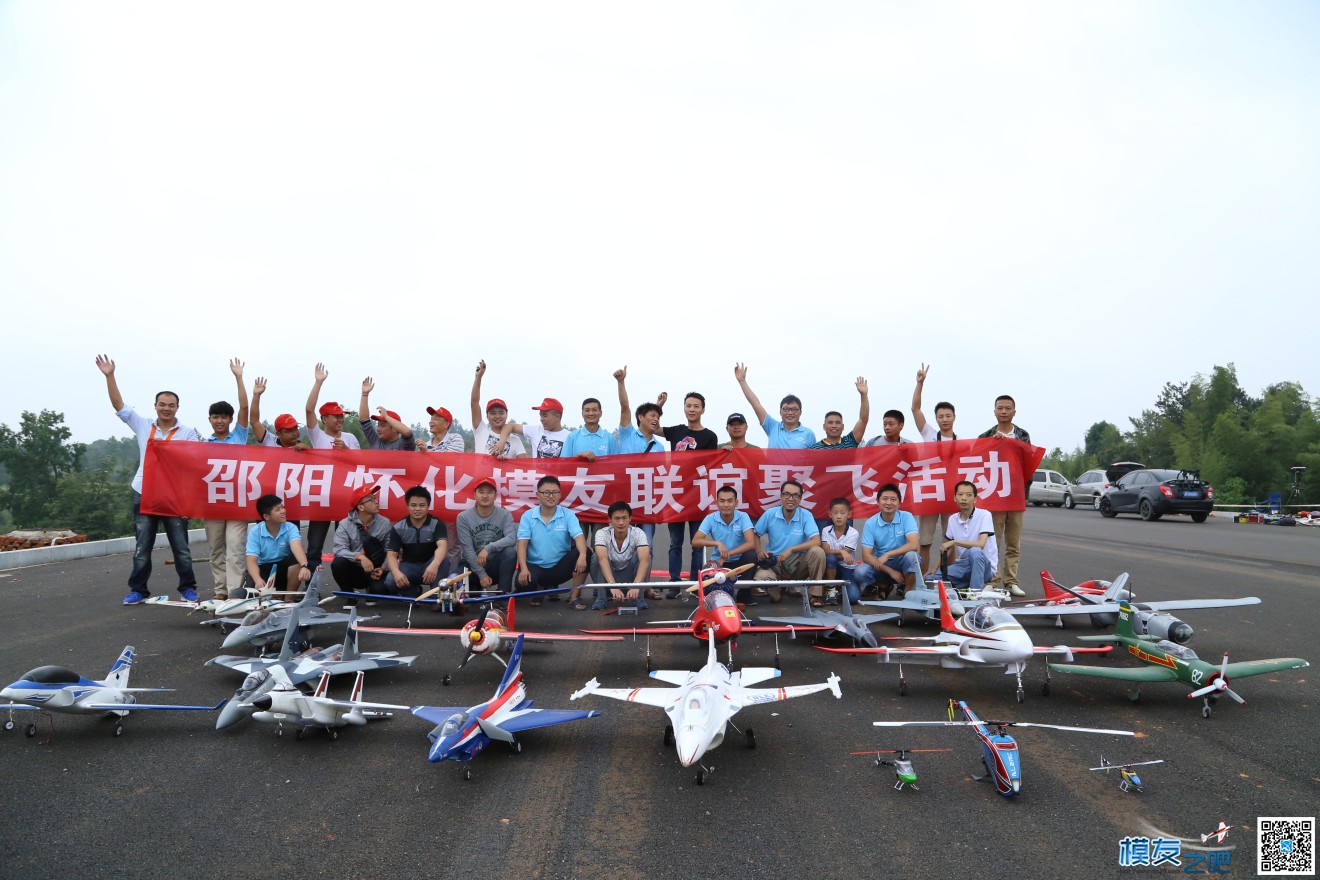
604 797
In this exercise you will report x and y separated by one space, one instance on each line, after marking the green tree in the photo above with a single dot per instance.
37 455
95 502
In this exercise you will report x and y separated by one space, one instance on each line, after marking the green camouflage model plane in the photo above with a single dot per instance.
1170 661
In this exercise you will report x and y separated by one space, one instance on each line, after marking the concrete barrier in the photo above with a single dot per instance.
66 552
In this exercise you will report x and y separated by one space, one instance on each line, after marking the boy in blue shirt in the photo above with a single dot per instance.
275 554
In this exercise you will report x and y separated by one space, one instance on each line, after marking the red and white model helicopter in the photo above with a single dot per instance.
717 614
984 636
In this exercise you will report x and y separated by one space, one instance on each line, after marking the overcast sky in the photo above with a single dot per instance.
1069 202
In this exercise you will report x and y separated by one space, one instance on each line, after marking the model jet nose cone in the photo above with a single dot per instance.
10 693
232 713
691 746
236 639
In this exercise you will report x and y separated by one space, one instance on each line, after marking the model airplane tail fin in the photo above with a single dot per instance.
946 616
313 596
509 619
713 656
1124 625
806 603
1052 591
290 634
1118 590
118 676
350 651
845 605
356 696
323 685
514 668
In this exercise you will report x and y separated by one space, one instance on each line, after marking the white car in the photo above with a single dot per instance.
1087 489
1048 487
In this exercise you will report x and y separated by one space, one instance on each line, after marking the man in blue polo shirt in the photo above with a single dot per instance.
275 555
551 546
787 432
730 535
889 545
792 550
590 441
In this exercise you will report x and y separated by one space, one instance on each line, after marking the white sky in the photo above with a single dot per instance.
1069 202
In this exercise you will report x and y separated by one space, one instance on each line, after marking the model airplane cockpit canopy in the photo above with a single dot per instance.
52 675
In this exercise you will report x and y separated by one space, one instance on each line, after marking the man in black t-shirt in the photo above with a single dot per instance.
683 438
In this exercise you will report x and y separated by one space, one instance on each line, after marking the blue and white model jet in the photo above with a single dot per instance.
57 689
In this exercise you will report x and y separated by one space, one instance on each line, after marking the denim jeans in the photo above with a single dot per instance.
676 550
865 575
414 572
971 569
145 526
847 574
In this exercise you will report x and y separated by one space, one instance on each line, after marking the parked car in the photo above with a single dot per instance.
1088 488
1048 487
1153 492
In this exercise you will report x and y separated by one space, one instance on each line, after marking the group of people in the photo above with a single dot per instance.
548 546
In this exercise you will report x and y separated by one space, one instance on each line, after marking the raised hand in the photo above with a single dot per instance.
322 373
105 365
368 386
620 375
740 372
236 367
921 374
259 386
481 368
862 387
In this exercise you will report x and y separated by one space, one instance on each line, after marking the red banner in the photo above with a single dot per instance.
217 481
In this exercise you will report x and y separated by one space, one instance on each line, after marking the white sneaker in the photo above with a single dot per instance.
1016 590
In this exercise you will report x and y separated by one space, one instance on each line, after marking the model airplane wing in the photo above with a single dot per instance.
472 598
1125 673
753 696
530 719
673 676
114 707
910 604
1113 607
934 650
660 697
1068 651
508 634
1248 668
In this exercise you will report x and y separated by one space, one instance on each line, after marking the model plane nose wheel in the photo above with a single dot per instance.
669 734
334 734
516 745
648 662
777 666
9 725
467 774
119 730
1205 711
1021 695
902 688
31 731
1134 696
751 738
445 681
701 776
1045 690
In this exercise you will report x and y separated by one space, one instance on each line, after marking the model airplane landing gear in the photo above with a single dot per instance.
702 773
1021 692
669 735
467 774
516 745
902 682
30 731
1205 707
1134 696
445 681
1045 689
9 725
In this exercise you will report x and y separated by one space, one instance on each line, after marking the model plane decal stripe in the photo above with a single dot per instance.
1157 659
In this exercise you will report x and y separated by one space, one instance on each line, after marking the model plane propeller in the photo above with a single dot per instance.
1168 661
701 707
1000 756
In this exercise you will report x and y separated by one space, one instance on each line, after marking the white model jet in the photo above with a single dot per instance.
56 689
286 704
700 707
985 636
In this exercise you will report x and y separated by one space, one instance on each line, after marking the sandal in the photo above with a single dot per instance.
817 603
579 606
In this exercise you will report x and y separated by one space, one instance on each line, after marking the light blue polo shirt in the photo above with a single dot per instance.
883 536
602 443
547 542
731 534
800 437
270 548
237 436
632 441
786 533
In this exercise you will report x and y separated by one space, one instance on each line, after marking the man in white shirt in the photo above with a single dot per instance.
973 554
486 434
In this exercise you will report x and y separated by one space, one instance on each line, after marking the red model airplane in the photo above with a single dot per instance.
716 613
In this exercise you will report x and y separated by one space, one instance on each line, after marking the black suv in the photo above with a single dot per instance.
1153 492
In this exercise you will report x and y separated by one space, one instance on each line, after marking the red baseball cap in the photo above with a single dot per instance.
485 481
550 404
284 420
496 403
331 408
389 412
361 495
442 413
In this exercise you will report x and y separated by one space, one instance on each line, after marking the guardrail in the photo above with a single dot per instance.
12 559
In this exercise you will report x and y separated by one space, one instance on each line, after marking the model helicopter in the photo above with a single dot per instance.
1000 756
1128 778
904 772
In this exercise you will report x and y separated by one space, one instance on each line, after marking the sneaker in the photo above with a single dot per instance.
641 604
189 594
135 598
598 605
832 597
671 594
1016 590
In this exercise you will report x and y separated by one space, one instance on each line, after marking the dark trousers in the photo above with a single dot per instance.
553 576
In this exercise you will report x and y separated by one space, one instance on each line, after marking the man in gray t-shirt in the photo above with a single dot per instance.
488 537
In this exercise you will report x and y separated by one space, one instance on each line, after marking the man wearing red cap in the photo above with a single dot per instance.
546 439
360 542
486 436
391 434
331 436
286 431
441 439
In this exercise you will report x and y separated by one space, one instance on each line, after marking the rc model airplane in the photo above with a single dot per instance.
855 626
701 707
56 689
286 704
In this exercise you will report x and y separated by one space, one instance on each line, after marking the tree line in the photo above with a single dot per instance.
1244 446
